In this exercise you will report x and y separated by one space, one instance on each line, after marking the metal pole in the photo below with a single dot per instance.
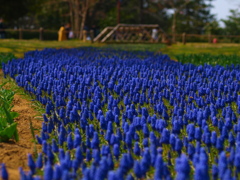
184 38
41 34
209 37
91 35
174 27
20 33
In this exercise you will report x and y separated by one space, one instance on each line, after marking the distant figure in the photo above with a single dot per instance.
70 35
62 34
215 40
94 29
154 35
2 29
67 30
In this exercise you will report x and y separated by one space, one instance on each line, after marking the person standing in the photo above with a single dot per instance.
62 34
2 29
154 35
67 30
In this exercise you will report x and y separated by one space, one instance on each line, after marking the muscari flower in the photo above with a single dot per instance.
214 172
48 172
31 163
129 177
96 156
78 154
110 162
61 154
39 162
137 149
182 167
178 145
54 146
222 164
77 140
116 151
95 141
4 172
128 140
112 140
137 169
165 136
69 141
50 155
145 142
159 163
57 174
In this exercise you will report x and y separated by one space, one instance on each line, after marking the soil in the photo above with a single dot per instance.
14 154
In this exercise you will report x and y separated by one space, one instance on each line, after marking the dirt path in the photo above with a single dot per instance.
14 154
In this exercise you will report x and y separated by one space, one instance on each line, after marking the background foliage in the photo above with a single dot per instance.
173 16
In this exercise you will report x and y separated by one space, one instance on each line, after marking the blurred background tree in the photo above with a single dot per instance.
232 24
173 16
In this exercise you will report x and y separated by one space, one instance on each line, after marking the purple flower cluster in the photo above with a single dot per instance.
122 115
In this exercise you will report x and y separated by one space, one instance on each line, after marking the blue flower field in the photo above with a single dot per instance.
130 115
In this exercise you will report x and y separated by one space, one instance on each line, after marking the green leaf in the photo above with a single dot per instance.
16 136
8 115
14 115
3 84
3 123
9 132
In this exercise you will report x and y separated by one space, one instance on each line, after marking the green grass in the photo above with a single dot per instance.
198 48
137 47
8 128
201 59
5 57
19 47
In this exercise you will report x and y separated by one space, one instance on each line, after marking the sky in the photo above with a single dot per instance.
221 8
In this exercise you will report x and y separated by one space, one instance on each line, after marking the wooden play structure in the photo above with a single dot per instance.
133 33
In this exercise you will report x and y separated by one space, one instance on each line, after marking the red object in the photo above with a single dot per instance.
215 40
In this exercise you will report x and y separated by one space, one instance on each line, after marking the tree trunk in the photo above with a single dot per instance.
85 7
140 12
76 17
118 11
71 14
174 27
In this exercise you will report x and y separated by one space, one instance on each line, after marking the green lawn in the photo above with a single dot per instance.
199 48
18 47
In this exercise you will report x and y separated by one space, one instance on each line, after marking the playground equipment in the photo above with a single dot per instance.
133 33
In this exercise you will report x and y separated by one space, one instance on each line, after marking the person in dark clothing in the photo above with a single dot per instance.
2 29
67 30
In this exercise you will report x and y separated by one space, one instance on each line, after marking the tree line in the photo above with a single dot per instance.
173 16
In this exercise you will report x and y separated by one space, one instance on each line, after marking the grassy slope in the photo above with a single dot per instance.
18 47
197 48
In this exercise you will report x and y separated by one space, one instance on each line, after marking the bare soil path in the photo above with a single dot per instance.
14 154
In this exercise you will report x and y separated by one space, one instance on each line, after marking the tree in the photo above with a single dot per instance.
195 17
8 9
177 6
134 12
213 28
232 24
78 10
189 16
51 14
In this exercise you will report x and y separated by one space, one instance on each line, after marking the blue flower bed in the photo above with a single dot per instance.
122 115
